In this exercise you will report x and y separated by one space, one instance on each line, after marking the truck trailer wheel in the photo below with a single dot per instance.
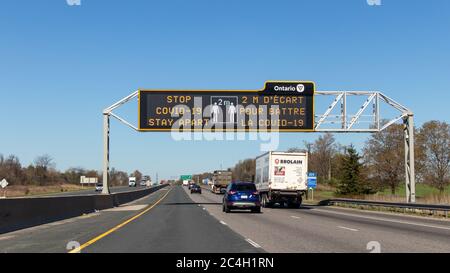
296 204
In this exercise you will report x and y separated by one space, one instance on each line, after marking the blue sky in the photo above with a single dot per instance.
60 65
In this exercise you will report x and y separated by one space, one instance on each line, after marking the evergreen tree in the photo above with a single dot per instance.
350 180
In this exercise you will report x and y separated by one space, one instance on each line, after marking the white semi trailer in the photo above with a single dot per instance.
282 178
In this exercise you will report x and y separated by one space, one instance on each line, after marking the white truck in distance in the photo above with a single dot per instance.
132 181
282 178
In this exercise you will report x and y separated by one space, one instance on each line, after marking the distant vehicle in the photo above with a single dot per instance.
99 187
282 178
185 182
196 189
241 195
191 183
220 180
146 181
132 181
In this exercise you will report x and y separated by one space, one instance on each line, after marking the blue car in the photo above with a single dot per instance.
242 196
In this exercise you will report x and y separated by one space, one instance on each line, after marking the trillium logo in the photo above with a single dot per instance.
277 161
291 88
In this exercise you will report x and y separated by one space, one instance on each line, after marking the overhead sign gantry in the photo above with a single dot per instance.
281 106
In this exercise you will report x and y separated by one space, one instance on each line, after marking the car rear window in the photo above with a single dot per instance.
245 187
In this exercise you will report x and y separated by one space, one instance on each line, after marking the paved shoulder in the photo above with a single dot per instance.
55 236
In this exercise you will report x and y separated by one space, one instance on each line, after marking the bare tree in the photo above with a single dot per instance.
296 150
434 136
44 161
11 169
43 173
244 170
138 175
384 156
323 150
73 175
308 146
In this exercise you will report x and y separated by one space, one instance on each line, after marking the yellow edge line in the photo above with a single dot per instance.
77 250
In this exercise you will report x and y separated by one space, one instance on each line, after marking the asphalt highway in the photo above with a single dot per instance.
165 221
172 220
331 229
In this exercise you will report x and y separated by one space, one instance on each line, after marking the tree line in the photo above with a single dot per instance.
42 172
379 165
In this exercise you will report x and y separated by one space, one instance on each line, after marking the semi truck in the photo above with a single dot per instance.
281 178
220 180
132 181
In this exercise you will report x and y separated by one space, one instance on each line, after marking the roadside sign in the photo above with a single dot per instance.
4 183
88 180
312 180
287 106
186 177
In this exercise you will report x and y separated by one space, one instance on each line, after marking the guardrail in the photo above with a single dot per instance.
19 213
402 207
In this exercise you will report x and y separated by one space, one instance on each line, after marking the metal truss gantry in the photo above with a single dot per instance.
343 122
346 122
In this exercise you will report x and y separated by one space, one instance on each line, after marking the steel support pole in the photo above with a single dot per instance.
106 128
409 159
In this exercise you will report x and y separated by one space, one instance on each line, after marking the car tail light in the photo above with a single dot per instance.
232 192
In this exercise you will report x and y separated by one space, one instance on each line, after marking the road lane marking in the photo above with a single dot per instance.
7 237
253 243
295 217
346 228
383 219
77 250
223 223
127 208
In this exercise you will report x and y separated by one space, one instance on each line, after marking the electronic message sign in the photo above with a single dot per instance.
286 106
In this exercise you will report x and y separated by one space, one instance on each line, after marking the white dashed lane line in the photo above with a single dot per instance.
346 228
253 243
